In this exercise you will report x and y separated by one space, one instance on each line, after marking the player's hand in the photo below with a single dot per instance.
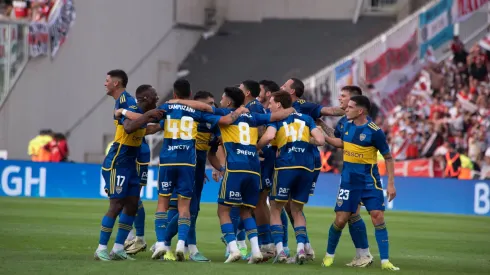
155 114
216 175
242 110
391 191
118 113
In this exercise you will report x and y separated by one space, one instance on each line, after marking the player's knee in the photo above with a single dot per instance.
245 212
223 211
377 216
341 220
115 207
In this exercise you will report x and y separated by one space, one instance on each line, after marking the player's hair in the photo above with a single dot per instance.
203 95
236 95
143 88
121 75
362 101
270 86
284 98
298 87
273 87
352 89
252 86
182 88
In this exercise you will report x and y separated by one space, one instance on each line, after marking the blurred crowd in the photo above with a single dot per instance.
48 147
447 115
31 10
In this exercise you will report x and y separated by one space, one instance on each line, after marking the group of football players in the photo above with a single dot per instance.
263 144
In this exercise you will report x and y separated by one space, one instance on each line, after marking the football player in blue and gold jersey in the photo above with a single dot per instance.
241 182
294 170
206 140
361 139
357 227
296 89
119 168
178 161
147 99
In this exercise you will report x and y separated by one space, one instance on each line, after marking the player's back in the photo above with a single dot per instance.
361 144
293 142
239 141
179 134
125 148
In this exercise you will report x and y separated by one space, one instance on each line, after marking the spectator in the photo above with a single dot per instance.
485 168
58 148
453 163
36 146
458 49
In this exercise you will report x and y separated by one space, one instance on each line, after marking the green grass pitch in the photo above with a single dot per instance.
59 236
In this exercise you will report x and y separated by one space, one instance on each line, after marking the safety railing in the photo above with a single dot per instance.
14 53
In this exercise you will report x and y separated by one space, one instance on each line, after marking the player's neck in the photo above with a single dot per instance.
248 100
118 93
360 121
294 98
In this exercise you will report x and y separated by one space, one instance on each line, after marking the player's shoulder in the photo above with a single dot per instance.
373 127
343 120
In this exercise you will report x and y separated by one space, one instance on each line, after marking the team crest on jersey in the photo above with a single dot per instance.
362 137
208 125
340 202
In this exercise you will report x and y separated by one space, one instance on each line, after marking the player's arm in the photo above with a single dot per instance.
280 115
153 129
317 137
194 104
126 113
379 142
329 135
215 161
131 126
332 111
233 116
267 137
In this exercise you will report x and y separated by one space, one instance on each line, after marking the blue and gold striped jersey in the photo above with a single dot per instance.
314 111
144 154
255 106
293 142
269 152
206 134
239 141
180 133
361 145
125 149
340 126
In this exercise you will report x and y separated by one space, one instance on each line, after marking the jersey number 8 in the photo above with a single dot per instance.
294 130
184 131
244 135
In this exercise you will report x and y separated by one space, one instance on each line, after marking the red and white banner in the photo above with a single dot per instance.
392 67
463 9
61 19
427 168
485 42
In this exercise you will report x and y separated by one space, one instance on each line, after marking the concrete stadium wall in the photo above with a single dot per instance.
107 34
256 10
